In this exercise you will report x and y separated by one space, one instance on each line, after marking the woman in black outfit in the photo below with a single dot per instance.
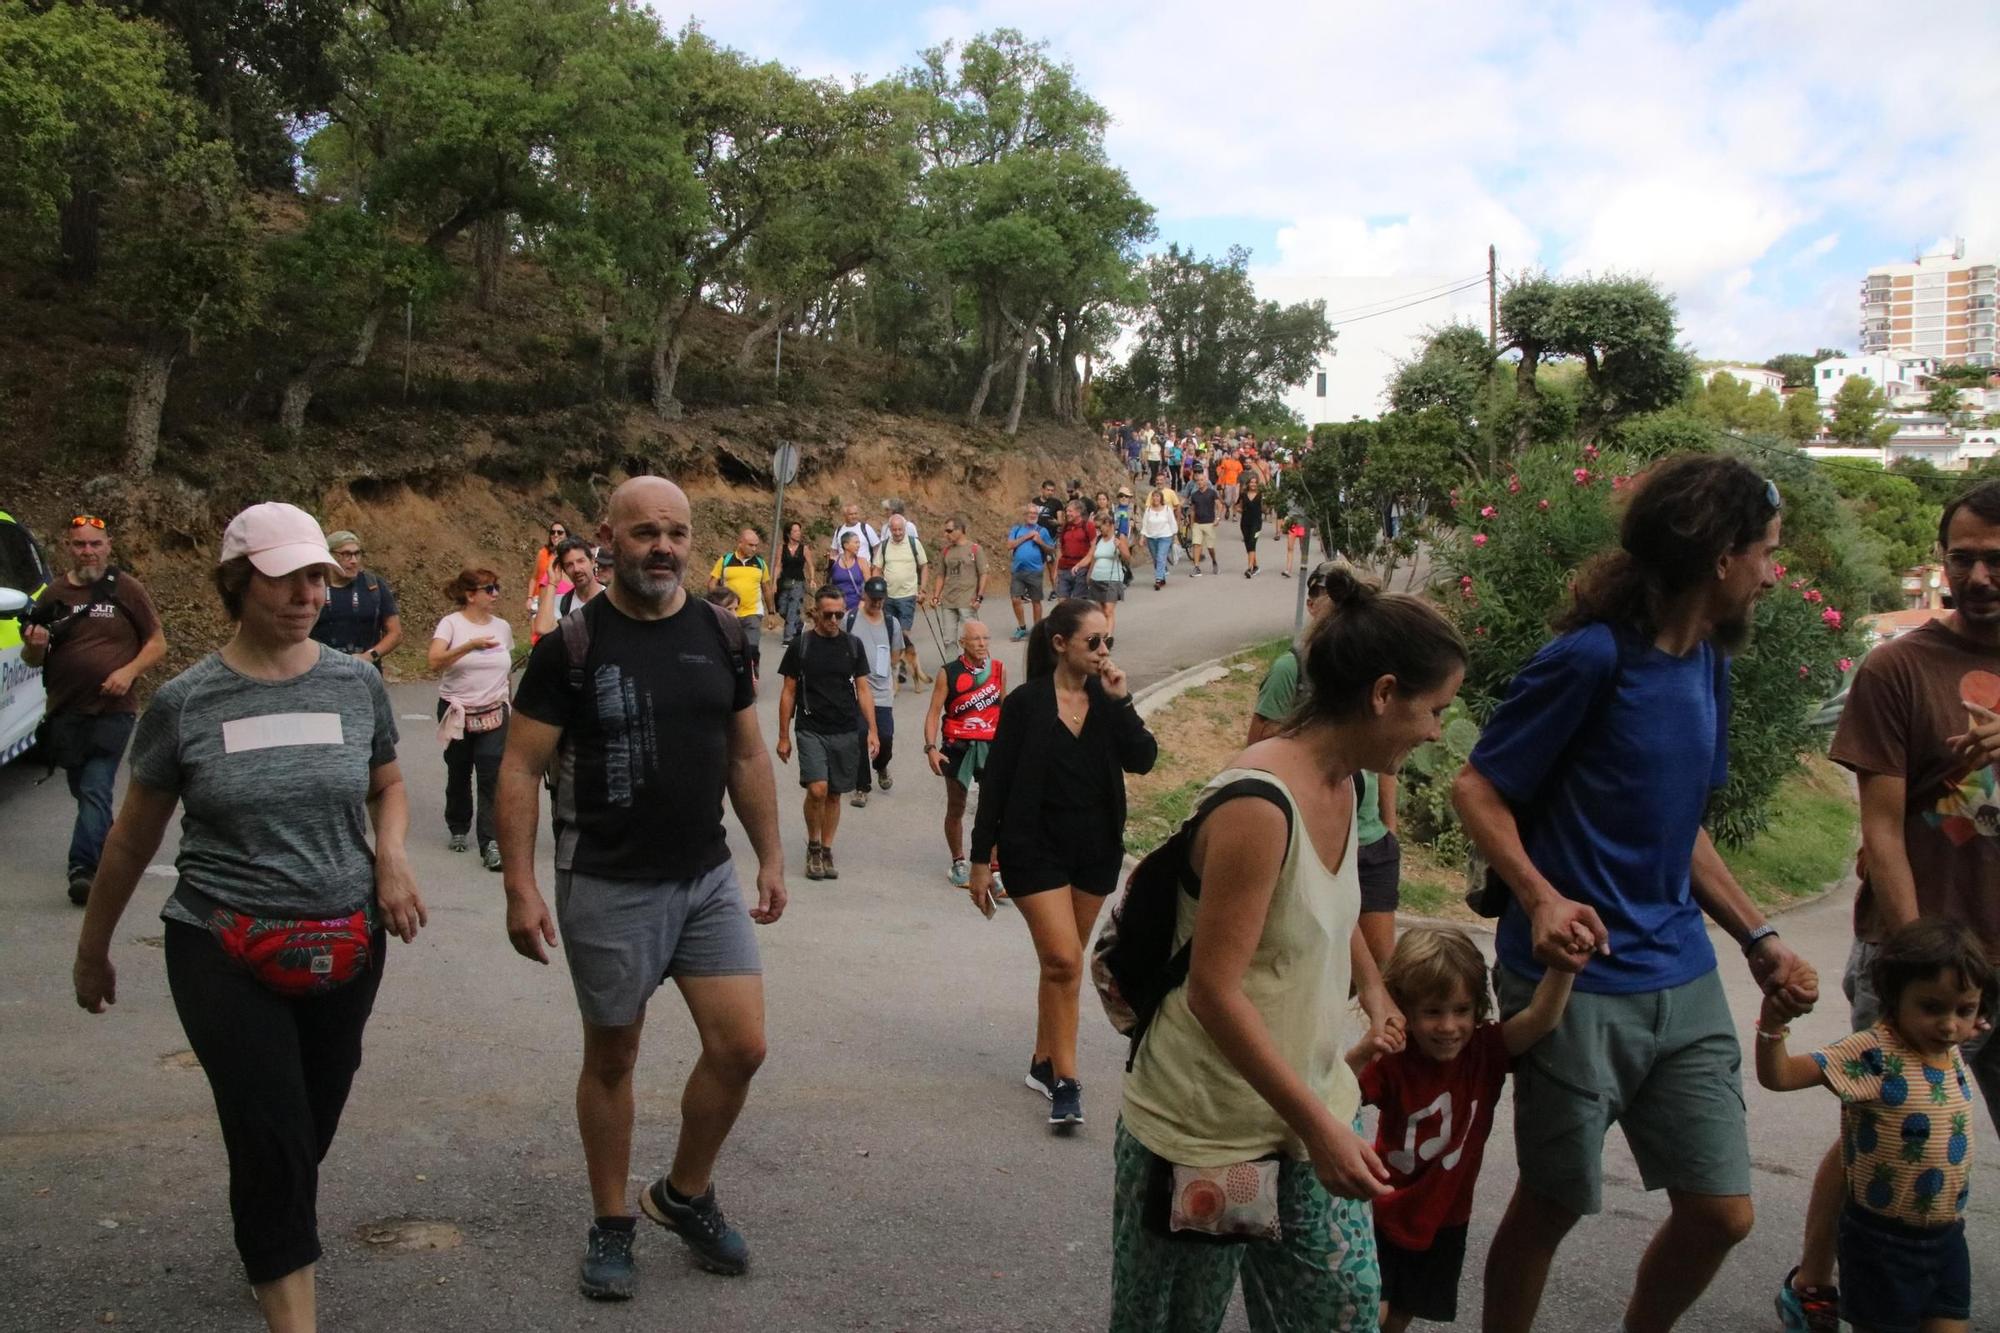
794 577
1053 799
1252 514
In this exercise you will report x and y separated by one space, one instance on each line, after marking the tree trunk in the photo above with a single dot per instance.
300 388
489 247
979 394
668 332
79 222
779 316
1528 395
1028 341
146 402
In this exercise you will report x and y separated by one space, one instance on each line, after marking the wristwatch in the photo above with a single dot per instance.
374 657
1758 936
930 749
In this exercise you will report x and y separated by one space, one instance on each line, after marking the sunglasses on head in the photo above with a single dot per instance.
1771 496
87 521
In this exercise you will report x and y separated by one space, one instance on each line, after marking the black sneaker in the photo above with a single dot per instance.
79 886
607 1263
1042 1077
717 1246
1066 1103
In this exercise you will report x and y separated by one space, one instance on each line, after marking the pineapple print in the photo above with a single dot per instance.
1864 1134
1935 1079
1881 1188
1916 1133
1895 1087
1960 1143
1924 1195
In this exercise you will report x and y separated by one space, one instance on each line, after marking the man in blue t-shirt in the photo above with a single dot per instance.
1030 543
1587 793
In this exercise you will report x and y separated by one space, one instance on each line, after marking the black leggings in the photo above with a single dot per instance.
475 754
279 1068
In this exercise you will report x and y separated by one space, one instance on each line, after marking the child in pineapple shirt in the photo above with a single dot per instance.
1905 1129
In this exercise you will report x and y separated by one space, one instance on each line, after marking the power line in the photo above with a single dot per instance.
1836 464
1480 281
1419 293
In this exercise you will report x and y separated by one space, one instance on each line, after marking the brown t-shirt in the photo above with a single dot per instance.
89 645
962 567
1904 704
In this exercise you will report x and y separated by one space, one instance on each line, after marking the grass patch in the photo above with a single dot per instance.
1809 842
1199 733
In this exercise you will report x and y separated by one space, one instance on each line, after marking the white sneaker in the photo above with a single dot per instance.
961 873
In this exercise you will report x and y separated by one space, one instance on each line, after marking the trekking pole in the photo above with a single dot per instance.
931 618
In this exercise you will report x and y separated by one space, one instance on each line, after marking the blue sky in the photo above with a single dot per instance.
1754 157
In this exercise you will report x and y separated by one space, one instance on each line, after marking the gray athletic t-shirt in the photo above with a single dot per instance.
881 640
273 782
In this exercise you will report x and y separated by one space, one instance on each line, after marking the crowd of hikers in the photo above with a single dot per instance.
1254 958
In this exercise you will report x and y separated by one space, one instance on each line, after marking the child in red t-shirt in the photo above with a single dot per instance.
1436 1098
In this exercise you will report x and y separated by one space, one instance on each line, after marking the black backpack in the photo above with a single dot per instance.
1134 964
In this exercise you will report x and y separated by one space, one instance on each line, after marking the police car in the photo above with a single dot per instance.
23 575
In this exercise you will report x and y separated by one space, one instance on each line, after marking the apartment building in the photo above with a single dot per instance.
1941 306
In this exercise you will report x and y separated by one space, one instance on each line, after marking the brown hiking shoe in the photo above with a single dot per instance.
826 870
813 863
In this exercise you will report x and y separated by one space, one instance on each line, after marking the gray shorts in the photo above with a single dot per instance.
623 937
834 760
952 619
1982 1054
1026 585
1104 593
1663 1065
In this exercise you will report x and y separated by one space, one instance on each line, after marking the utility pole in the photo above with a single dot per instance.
1493 299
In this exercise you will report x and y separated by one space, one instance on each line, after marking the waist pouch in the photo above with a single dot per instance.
1212 1205
292 956
489 718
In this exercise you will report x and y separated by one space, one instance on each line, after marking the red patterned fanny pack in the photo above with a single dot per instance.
294 957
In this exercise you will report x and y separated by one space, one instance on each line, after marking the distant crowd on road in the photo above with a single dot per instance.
1254 958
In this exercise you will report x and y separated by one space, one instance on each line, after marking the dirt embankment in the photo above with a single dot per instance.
455 443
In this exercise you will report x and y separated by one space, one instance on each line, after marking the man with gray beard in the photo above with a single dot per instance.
642 697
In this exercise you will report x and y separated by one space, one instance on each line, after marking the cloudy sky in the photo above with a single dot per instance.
1755 158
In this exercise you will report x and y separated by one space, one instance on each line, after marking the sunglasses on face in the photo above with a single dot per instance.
828 615
493 588
1096 641
87 521
557 533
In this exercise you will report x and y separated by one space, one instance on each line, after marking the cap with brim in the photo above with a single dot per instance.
278 538
876 588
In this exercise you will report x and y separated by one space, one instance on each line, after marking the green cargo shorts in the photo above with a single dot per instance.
1663 1065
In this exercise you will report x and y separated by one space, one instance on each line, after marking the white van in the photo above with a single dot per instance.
22 698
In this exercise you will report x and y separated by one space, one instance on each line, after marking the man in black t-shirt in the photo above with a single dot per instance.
643 699
826 688
1051 506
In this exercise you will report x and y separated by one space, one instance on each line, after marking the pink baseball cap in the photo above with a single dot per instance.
279 539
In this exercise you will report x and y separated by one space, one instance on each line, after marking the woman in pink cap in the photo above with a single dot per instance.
281 752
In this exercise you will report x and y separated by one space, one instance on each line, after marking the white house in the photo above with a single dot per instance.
1758 378
1888 372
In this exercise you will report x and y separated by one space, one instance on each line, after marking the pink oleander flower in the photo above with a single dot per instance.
1480 630
1590 451
1544 504
1796 584
1513 485
1582 476
1846 664
1479 539
1831 617
1619 482
1777 571
1814 595
1488 512
1804 671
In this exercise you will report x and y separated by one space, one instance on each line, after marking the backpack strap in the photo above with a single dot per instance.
575 627
1176 971
731 631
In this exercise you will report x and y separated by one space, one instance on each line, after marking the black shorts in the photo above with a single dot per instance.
1379 866
1031 870
952 754
1424 1283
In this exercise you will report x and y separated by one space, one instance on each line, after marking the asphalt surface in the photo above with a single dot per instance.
890 1172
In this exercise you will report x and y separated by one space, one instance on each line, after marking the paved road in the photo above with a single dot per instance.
891 1171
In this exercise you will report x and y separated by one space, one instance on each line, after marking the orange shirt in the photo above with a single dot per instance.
1228 470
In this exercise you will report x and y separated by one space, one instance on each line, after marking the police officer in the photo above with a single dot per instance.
95 634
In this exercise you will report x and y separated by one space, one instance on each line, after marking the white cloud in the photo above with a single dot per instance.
1394 139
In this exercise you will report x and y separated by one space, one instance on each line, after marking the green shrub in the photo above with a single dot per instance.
1505 571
